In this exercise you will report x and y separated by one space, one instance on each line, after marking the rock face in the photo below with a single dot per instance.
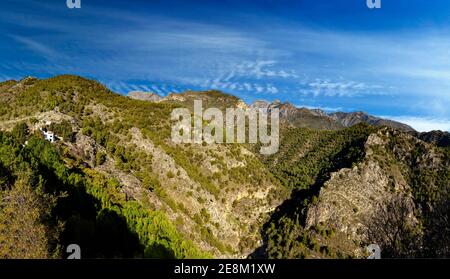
145 96
349 197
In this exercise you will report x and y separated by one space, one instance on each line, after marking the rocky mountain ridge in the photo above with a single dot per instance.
295 116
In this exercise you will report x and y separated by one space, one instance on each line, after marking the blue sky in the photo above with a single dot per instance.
335 55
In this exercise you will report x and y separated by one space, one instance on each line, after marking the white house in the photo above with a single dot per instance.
48 135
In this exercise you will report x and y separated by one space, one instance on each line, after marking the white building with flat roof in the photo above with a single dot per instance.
48 135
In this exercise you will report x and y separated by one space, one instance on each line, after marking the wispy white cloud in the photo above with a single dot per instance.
262 69
38 47
339 88
125 87
5 77
258 77
324 108
414 62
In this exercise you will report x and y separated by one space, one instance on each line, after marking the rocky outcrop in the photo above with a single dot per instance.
349 197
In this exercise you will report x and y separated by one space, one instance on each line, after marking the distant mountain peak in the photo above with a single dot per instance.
348 119
145 96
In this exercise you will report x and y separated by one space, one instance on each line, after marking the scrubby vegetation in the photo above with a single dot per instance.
305 161
51 206
306 156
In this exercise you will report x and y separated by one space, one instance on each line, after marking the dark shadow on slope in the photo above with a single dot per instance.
6 178
292 208
101 233
106 236
158 251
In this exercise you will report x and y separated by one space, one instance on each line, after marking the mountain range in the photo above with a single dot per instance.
299 117
115 184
